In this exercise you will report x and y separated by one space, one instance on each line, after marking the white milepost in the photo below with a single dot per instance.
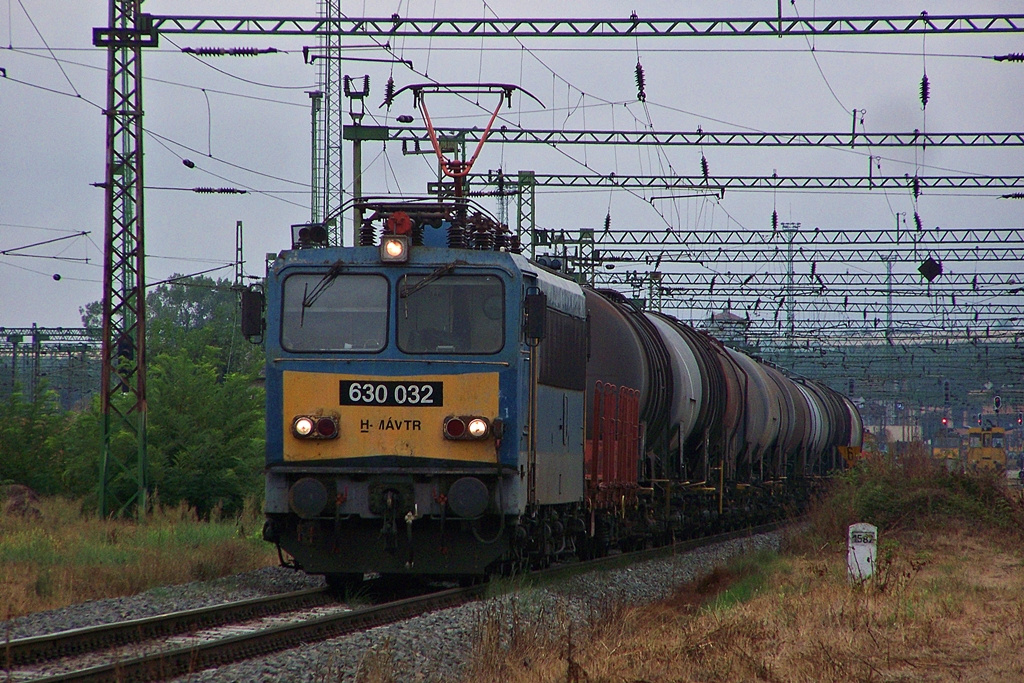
861 548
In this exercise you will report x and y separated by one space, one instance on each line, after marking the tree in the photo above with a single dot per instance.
205 418
205 433
197 314
25 426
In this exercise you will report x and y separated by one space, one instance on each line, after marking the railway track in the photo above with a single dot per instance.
175 644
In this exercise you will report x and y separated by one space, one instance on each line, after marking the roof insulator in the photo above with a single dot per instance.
228 51
218 190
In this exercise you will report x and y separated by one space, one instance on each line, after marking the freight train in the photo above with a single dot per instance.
440 405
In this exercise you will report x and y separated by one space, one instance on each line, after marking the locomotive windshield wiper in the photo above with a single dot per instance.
309 297
409 290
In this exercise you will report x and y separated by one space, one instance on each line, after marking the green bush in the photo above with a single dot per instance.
204 424
27 425
894 495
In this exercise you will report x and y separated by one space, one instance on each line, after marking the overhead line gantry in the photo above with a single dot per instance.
717 184
667 245
396 26
416 138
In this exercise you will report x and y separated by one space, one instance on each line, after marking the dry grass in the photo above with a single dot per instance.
947 604
63 556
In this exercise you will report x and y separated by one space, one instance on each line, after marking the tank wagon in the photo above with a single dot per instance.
439 405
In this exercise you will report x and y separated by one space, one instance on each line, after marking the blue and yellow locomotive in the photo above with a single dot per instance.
401 423
439 405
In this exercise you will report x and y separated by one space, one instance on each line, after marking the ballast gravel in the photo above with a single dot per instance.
433 647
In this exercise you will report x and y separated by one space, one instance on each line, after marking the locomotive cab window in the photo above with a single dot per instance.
326 312
458 314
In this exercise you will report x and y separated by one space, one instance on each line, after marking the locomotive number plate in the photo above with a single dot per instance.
389 393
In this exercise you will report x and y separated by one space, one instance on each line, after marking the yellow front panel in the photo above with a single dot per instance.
987 457
369 430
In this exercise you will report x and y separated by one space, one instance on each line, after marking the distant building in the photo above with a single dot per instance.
729 328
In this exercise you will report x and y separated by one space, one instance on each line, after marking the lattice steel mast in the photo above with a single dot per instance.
123 391
331 123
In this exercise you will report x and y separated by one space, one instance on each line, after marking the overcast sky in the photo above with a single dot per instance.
245 123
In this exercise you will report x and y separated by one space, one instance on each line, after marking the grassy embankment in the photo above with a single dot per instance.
947 602
63 555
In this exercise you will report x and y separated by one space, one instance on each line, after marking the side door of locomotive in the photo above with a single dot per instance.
559 409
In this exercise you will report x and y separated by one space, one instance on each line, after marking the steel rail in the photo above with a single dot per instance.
183 660
76 641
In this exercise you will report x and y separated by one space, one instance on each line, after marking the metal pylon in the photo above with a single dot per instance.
526 195
123 392
331 125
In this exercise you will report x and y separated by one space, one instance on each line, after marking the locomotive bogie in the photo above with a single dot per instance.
453 549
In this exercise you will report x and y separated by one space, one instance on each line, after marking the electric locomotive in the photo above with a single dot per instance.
405 431
439 405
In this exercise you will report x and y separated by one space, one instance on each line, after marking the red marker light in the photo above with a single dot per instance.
454 428
325 427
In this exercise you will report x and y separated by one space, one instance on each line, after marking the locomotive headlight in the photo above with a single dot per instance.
394 248
463 427
315 427
477 427
303 426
